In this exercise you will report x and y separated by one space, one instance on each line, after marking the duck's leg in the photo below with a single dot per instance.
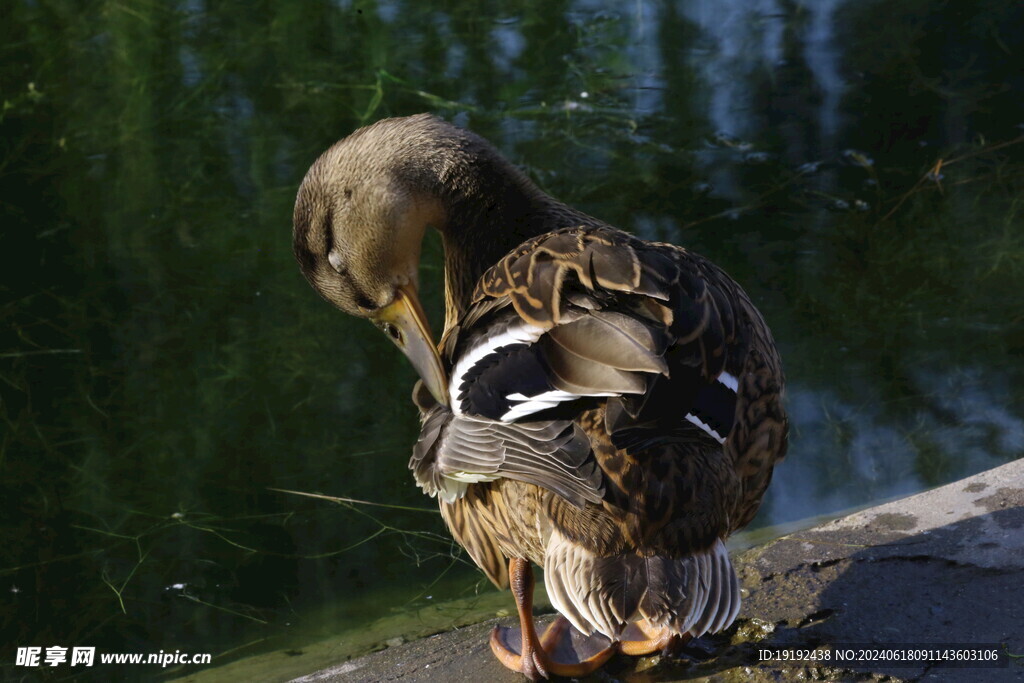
531 660
534 660
653 640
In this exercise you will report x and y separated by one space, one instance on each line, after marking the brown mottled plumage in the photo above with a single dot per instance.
615 405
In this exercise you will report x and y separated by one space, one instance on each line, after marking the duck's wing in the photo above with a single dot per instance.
668 339
591 313
456 450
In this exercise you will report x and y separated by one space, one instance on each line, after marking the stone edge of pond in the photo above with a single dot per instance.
942 566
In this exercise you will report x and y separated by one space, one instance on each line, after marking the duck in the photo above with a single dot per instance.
607 408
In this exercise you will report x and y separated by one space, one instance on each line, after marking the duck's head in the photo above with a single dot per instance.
359 221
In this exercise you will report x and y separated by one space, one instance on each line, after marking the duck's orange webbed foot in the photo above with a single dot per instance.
536 656
647 639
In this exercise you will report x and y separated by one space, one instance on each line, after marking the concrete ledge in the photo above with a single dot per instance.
943 566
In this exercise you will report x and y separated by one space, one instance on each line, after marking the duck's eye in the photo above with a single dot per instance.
392 331
334 259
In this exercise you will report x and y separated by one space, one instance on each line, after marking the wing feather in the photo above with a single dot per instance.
613 339
456 449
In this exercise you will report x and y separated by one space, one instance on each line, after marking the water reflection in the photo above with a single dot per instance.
164 370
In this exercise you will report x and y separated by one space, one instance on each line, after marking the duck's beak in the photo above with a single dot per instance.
405 323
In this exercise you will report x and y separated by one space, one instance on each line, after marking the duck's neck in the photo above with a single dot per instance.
491 208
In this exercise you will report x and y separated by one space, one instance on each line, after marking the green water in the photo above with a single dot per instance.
164 367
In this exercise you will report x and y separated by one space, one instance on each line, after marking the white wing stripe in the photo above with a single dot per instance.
706 427
518 334
542 401
729 381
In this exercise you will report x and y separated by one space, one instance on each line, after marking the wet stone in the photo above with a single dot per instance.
896 521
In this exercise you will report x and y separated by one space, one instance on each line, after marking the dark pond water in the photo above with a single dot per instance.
165 370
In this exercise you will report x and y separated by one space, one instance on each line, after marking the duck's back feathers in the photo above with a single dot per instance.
595 313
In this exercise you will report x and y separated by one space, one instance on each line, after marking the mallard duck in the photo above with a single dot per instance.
608 408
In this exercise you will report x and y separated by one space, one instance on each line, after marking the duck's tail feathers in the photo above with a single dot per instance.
697 593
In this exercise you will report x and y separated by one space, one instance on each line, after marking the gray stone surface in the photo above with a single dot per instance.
943 566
